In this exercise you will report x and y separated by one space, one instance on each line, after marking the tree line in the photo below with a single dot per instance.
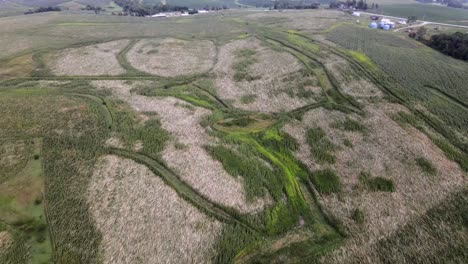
454 45
43 9
135 8
285 4
361 4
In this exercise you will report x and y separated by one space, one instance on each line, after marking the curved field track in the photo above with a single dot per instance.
157 233
172 57
194 165
99 59
384 149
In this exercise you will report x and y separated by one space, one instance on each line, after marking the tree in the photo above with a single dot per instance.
420 33
454 3
411 19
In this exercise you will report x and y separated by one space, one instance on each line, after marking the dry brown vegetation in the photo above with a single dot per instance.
191 162
172 57
12 156
316 21
271 86
5 241
141 219
18 67
100 59
350 81
384 150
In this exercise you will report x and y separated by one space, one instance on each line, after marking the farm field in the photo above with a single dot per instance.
228 137
427 12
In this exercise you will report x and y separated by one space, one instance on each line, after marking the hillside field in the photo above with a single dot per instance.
229 137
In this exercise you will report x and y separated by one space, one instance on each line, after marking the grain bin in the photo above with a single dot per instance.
386 27
373 25
381 24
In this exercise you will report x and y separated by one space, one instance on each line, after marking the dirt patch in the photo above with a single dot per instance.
172 57
100 59
194 165
272 82
385 150
141 219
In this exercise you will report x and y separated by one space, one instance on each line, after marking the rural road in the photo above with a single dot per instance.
421 21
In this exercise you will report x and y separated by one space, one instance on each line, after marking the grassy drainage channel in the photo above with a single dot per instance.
295 207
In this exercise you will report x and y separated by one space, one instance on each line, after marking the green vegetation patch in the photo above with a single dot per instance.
248 98
302 42
358 216
195 95
376 184
234 242
362 58
244 123
258 177
426 166
21 208
320 146
326 181
241 67
150 134
350 125
274 147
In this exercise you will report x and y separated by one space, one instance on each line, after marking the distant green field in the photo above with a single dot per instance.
428 12
11 9
195 3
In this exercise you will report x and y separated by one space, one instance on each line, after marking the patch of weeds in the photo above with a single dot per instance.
215 116
239 122
154 51
347 143
320 146
358 216
151 134
326 181
241 67
303 93
350 125
403 118
248 98
258 177
233 241
426 166
376 184
180 146
451 152
278 140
